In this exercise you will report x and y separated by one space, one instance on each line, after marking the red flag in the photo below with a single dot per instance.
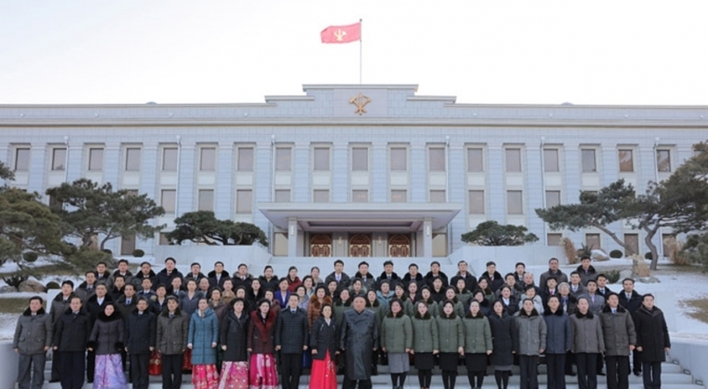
341 34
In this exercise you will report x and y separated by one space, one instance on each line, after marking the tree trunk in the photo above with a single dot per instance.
652 247
614 237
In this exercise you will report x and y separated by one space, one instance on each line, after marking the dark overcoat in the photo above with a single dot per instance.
358 336
233 333
504 339
652 334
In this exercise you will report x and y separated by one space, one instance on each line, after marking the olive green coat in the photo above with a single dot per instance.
478 334
425 333
412 308
451 333
396 333
459 309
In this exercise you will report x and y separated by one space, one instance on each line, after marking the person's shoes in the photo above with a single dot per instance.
638 373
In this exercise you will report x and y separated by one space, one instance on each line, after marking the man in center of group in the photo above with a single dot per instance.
291 338
358 337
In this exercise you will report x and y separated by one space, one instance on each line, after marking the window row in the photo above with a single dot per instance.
360 159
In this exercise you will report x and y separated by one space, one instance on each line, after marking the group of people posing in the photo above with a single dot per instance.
238 331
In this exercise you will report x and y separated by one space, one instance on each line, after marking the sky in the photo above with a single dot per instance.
237 51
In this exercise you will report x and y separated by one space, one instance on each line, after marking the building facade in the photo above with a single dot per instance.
354 170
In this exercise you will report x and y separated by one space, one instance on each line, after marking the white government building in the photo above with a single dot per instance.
355 170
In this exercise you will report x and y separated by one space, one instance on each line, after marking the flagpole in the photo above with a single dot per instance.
360 50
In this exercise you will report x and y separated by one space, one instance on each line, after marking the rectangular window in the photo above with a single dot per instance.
631 240
207 159
513 160
436 159
475 204
163 239
244 201
58 158
167 200
592 241
553 198
399 159
360 159
589 164
282 195
437 196
360 196
321 159
283 159
22 159
475 160
95 163
550 160
320 195
169 159
626 160
554 239
514 202
663 160
399 196
245 159
206 200
132 159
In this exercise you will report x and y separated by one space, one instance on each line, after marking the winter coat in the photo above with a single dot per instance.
203 331
459 308
33 333
560 277
532 333
504 339
633 303
94 308
618 330
558 334
358 336
464 298
141 332
587 333
512 307
343 281
470 280
128 276
163 279
412 308
425 333
220 282
292 283
108 334
156 306
496 283
437 295
652 334
292 332
537 303
233 333
196 277
369 281
430 277
138 279
396 333
378 311
219 310
384 277
189 305
315 308
579 292
340 308
85 293
585 276
384 300
172 332
478 334
124 308
451 333
569 304
72 331
418 279
261 336
271 284
281 298
59 306
323 338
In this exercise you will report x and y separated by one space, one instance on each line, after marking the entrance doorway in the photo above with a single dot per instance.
399 245
321 245
360 245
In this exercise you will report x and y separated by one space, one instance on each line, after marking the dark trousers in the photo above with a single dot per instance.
171 371
290 369
617 372
56 366
351 384
636 362
587 370
529 372
569 361
30 371
139 370
652 375
73 365
555 371
90 365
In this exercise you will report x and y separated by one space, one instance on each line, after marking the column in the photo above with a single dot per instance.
428 238
292 237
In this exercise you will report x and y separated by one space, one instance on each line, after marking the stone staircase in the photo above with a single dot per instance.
673 377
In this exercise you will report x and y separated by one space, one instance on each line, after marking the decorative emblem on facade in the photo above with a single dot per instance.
360 102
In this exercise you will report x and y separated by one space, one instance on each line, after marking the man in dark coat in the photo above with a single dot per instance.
166 275
631 301
586 271
463 273
338 275
95 306
435 272
218 275
554 271
358 337
58 306
291 338
495 278
140 341
413 276
652 340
